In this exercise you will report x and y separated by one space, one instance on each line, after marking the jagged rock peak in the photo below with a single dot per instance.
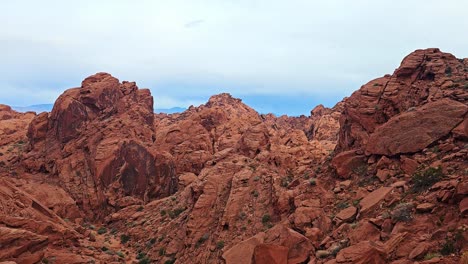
100 77
223 99
318 110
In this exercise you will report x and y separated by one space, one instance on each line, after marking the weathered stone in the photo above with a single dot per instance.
374 198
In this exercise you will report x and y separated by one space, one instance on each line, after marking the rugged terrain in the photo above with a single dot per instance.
382 177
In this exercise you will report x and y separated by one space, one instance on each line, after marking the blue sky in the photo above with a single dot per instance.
278 56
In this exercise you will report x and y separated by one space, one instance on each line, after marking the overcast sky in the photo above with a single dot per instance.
278 56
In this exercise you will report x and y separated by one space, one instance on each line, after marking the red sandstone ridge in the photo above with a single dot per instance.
96 144
379 178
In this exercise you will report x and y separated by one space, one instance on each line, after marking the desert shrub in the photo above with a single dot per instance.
144 260
141 255
242 215
162 251
285 181
361 170
342 205
202 239
120 254
104 249
124 238
220 244
313 182
448 71
266 218
102 230
367 180
170 261
356 202
163 212
176 212
256 178
140 208
402 212
424 179
45 261
448 247
431 255
254 193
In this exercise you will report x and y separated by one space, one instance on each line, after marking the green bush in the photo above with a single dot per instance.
175 213
220 244
313 182
424 179
342 205
144 260
285 181
361 170
448 71
141 255
430 256
124 238
242 215
170 261
266 218
448 247
202 239
402 212
254 193
102 230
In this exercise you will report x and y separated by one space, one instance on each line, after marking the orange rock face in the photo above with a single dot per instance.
379 178
96 141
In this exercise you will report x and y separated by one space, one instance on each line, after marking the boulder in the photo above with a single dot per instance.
270 254
347 163
374 198
421 127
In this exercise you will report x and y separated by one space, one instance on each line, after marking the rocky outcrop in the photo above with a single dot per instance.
421 127
379 178
13 140
96 142
424 76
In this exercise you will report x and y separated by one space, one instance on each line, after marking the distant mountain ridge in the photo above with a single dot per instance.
48 107
34 108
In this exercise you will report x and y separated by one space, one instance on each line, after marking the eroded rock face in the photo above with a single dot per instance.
96 140
421 127
424 76
13 140
220 183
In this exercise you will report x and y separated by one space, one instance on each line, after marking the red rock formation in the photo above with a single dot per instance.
379 178
424 76
96 142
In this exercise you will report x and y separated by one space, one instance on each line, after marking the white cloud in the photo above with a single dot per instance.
243 46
